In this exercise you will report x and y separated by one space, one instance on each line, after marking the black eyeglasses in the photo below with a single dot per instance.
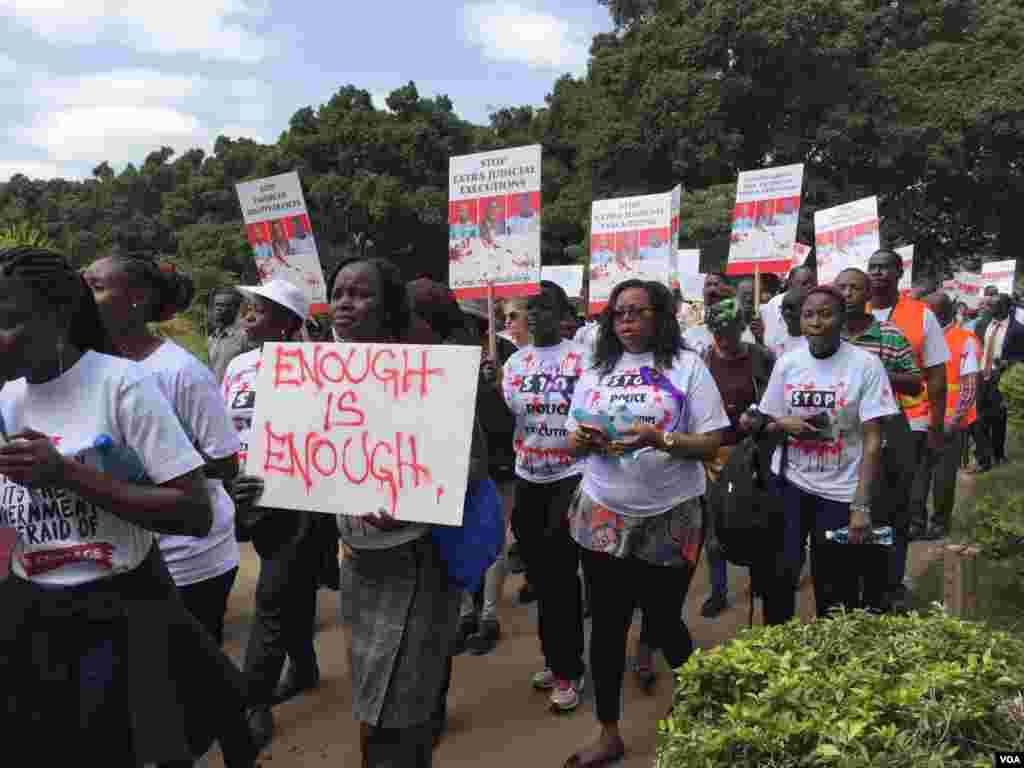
628 313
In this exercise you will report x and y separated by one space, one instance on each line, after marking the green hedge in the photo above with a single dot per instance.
855 690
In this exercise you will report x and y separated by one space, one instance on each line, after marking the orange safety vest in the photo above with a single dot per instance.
956 340
908 315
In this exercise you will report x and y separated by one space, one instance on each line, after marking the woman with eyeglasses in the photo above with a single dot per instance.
645 415
516 329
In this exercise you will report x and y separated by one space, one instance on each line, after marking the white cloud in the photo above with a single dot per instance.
118 134
124 88
510 32
123 115
210 28
32 169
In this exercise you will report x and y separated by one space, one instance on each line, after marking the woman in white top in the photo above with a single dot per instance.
94 465
829 398
130 293
645 415
285 539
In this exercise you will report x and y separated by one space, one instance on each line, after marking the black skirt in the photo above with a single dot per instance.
126 647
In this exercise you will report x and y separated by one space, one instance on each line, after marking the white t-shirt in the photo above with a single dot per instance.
850 388
651 482
935 351
699 338
193 393
586 336
111 414
538 385
771 315
970 359
781 342
239 390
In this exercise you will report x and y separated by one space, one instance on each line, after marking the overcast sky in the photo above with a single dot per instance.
82 81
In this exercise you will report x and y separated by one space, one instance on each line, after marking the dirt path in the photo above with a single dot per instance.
494 714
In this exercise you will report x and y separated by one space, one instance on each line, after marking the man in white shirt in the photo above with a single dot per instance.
716 287
801 278
992 408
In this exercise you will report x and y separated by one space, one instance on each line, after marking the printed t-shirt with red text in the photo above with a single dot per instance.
683 398
239 389
844 390
538 384
110 414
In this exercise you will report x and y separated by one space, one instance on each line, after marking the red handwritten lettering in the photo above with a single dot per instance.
389 376
354 417
423 372
400 375
393 463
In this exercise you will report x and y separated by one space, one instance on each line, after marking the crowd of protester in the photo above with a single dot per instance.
124 474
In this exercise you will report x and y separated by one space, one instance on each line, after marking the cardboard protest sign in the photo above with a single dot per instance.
800 254
356 428
845 236
569 277
494 216
691 281
969 286
630 238
906 253
279 231
765 219
1001 274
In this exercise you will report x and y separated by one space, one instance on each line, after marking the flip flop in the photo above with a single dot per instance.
598 762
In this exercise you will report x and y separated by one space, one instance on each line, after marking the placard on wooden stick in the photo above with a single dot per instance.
357 428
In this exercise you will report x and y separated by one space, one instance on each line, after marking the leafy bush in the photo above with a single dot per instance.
854 691
1011 385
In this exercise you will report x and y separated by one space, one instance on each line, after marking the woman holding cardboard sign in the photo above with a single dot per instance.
399 608
645 415
284 539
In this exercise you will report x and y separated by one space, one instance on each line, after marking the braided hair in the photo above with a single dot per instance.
57 283
172 291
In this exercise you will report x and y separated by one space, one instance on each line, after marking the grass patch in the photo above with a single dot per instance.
1000 587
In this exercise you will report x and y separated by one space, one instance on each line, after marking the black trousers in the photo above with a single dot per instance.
208 601
619 585
552 558
283 620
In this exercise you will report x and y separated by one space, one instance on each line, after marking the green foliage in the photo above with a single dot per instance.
1011 386
854 691
22 233
918 103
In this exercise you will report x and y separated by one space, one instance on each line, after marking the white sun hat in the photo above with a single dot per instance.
281 292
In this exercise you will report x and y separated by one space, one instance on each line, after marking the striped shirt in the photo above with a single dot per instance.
887 342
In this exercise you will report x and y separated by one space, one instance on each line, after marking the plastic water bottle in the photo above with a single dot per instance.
881 536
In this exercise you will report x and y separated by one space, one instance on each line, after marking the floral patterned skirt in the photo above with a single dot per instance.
673 538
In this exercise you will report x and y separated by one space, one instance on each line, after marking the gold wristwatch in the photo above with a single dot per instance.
670 440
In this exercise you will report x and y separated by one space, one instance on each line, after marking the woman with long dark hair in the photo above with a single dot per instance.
94 465
645 416
131 293
398 606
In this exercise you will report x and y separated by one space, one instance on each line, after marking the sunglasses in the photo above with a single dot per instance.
628 313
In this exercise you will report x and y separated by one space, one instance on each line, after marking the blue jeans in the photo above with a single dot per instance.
718 572
837 569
